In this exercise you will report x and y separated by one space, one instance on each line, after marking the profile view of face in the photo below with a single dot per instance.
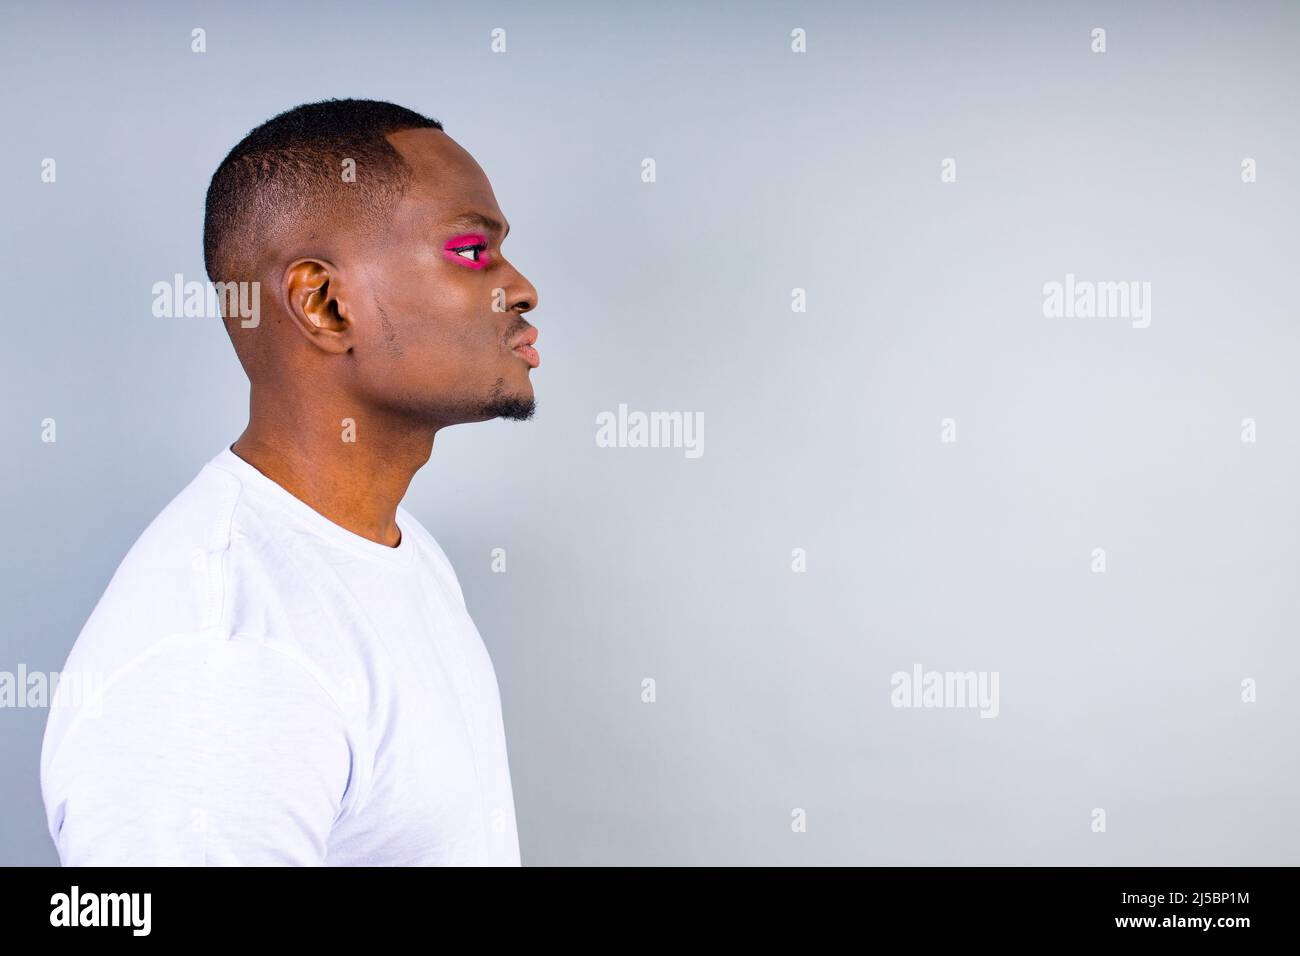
444 338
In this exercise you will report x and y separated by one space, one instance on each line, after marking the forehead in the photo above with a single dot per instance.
445 180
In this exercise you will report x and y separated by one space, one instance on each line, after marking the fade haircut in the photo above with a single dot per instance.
292 165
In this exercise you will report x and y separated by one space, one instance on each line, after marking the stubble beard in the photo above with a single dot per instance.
500 404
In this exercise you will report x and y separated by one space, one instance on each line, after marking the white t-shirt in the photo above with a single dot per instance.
261 686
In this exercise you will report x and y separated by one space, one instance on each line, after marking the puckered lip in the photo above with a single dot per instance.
526 337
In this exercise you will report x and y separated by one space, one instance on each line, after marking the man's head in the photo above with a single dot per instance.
377 242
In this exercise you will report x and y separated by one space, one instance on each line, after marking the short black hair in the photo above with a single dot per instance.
293 164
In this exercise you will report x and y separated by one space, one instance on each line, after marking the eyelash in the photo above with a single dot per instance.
474 242
477 246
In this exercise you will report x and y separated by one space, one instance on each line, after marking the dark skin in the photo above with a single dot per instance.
390 329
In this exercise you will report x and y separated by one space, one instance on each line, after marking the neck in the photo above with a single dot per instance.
354 474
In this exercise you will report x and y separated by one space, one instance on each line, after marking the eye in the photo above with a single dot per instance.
473 252
471 248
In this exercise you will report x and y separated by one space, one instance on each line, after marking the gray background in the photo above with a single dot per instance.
775 170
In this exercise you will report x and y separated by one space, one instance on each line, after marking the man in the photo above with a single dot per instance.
289 672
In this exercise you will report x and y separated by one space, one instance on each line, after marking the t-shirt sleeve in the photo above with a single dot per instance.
210 751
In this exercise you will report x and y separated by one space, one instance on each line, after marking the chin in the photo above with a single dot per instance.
508 397
515 403
518 408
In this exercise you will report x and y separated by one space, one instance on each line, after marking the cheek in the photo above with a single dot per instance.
444 325
440 324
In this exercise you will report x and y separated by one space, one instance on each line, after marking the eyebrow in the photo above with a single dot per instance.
482 221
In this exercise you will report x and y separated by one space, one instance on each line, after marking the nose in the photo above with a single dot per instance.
521 296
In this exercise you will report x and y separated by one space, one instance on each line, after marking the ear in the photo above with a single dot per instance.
311 289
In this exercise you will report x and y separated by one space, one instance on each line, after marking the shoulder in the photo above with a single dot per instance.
212 561
165 581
